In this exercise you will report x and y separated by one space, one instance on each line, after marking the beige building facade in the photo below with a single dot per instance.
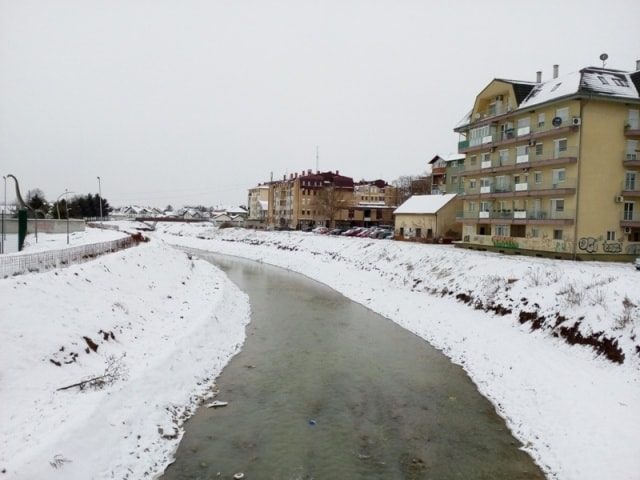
428 217
551 168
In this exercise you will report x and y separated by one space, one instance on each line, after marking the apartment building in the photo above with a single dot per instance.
553 168
258 202
307 199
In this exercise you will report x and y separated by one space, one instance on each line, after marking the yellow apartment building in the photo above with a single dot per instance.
553 168
258 203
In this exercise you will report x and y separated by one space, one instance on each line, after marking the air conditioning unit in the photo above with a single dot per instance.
627 230
619 199
532 143
575 121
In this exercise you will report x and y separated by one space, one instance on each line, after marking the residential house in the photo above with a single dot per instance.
428 217
553 168
439 165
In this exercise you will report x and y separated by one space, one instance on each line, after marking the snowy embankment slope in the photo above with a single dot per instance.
575 410
58 241
162 324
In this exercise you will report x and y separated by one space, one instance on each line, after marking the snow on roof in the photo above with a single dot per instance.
590 80
453 156
466 120
424 203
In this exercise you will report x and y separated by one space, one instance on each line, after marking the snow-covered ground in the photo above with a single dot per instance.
158 324
509 321
56 241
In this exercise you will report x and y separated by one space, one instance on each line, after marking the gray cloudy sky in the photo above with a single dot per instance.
187 101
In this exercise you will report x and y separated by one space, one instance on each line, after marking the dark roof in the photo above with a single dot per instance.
522 90
329 177
635 78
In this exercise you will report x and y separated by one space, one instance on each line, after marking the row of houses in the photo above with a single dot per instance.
307 199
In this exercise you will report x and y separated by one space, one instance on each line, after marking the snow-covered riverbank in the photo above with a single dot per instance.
575 407
160 325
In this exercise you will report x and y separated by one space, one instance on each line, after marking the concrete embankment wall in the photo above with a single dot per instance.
45 225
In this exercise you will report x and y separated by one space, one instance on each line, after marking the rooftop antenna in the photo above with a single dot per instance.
317 159
272 176
604 57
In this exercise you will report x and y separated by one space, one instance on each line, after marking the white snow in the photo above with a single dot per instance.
168 322
552 89
576 413
58 241
424 203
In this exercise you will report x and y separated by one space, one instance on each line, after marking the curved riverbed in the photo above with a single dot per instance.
326 389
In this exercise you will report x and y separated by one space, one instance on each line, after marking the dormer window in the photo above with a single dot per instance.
620 82
555 87
603 80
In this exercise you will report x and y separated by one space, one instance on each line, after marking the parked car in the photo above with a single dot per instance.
336 231
321 230
637 263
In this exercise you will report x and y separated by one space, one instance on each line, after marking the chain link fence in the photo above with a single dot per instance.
38 262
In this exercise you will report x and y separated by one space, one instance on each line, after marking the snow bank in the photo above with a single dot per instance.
164 324
576 410
56 241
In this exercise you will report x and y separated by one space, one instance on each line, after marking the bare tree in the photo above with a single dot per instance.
330 200
408 185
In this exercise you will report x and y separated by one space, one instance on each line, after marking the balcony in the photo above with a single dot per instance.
631 159
552 217
513 135
630 219
632 128
513 162
631 189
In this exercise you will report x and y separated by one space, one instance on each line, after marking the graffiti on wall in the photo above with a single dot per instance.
611 247
588 244
504 242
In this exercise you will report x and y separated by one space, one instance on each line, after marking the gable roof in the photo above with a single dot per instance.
425 204
448 158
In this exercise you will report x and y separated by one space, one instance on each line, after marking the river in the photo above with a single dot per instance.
326 389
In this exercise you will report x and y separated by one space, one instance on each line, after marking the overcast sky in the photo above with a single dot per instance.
193 102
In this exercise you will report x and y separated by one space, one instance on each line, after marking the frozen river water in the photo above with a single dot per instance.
326 389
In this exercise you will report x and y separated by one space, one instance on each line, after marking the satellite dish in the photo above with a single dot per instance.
603 57
556 122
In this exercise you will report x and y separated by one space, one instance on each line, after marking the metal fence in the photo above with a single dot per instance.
38 262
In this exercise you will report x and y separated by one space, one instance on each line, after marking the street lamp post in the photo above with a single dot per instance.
4 208
100 196
66 192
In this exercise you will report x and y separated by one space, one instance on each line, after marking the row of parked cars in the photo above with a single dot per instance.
368 232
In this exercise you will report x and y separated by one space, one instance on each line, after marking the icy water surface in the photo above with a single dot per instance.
326 389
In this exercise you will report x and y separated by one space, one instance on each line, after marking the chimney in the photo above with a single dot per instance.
337 172
637 65
555 71
538 76
284 177
309 172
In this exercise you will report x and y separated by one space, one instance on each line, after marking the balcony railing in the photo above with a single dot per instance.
514 160
511 135
548 214
631 186
632 216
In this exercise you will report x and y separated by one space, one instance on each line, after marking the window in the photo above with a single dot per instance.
563 113
502 184
524 122
535 232
557 205
555 87
502 230
603 80
633 120
485 206
472 206
503 156
522 150
537 177
472 183
633 147
611 236
557 234
630 181
559 175
541 120
539 149
628 210
486 157
473 160
454 179
485 182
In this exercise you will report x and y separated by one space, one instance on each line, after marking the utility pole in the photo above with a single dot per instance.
4 208
100 196
317 158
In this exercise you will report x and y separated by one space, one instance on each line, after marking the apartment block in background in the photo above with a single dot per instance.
553 168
